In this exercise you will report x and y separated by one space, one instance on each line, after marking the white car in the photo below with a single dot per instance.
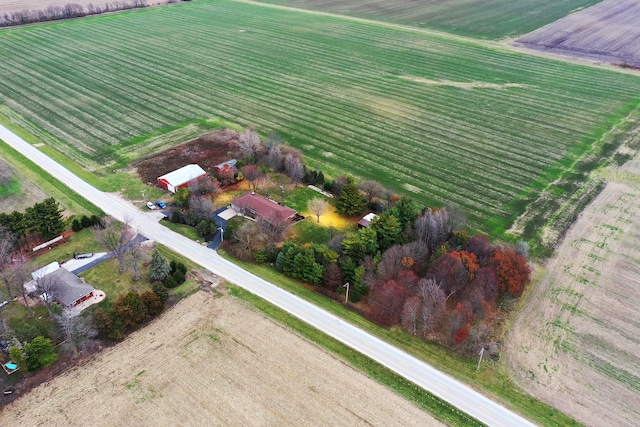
151 205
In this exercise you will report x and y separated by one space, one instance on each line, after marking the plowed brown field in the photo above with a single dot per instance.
608 32
213 361
575 343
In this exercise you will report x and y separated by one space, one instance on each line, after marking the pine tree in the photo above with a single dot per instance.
351 201
159 268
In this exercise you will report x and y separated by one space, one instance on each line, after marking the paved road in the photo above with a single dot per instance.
422 374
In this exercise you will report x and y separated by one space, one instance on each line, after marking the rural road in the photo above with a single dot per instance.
416 371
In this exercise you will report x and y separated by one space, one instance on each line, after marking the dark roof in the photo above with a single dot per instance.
70 287
260 205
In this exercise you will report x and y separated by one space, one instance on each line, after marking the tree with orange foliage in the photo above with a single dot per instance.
470 262
512 271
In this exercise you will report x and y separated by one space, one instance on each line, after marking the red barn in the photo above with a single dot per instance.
181 178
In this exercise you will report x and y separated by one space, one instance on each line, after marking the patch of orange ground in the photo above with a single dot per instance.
223 199
331 218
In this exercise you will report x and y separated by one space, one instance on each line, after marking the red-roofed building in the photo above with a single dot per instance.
254 206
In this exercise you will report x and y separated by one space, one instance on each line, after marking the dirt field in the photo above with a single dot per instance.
207 151
575 344
607 32
28 195
213 361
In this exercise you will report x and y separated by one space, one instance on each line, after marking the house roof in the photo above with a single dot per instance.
47 269
266 208
71 288
183 175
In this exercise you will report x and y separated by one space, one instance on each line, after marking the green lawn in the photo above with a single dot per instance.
80 242
431 116
484 19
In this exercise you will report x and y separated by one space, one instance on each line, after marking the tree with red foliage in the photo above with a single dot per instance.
480 246
408 280
450 273
386 304
464 308
333 277
512 271
461 336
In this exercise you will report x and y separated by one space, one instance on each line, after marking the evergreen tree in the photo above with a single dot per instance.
160 290
351 201
159 268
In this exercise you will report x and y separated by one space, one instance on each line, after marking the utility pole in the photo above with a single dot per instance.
346 299
480 360
144 195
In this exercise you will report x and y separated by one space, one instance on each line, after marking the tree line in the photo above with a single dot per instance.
42 221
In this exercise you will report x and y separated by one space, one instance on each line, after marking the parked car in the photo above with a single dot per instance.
151 205
161 204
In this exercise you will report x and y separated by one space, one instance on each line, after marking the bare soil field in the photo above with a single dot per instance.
207 151
606 32
575 343
212 361
28 193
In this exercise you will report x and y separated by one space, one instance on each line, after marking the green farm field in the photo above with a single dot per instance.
484 19
431 116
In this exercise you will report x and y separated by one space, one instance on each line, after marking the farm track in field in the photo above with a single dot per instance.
340 90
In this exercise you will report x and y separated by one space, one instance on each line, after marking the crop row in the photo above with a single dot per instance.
328 85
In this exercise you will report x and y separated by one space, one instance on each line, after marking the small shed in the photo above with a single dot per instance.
182 177
366 220
227 166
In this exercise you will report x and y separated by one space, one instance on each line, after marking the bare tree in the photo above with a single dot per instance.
116 237
21 269
432 227
249 237
47 286
371 189
433 305
7 248
411 315
318 206
75 330
273 227
274 159
201 207
136 253
251 174
294 168
456 218
249 143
